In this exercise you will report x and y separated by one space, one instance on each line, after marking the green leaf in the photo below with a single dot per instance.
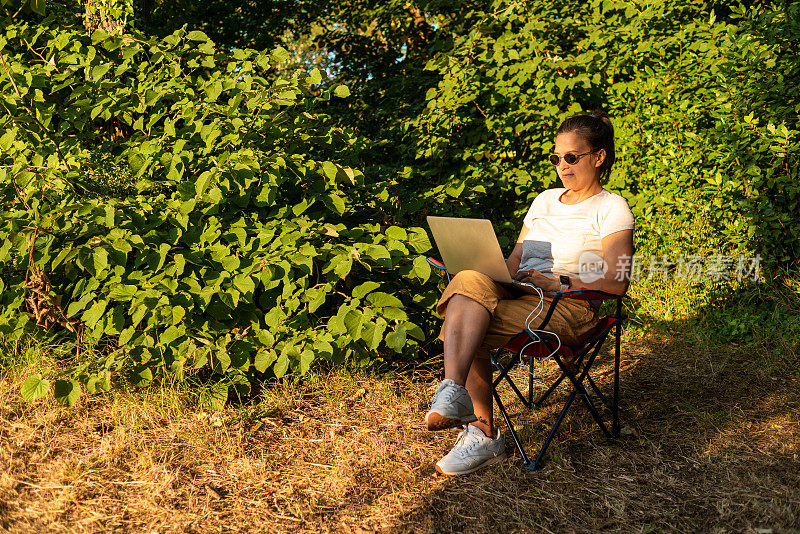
202 182
100 259
230 298
264 358
196 35
126 336
123 292
353 321
306 359
418 240
136 161
372 334
281 366
422 269
380 299
362 290
342 91
214 398
393 314
180 264
65 252
67 392
323 348
99 71
337 203
396 340
414 331
316 298
314 77
35 387
93 314
7 138
330 170
99 35
141 375
178 313
213 92
171 334
395 232
380 254
221 361
280 54
342 265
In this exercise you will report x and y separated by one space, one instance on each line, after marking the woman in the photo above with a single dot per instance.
577 236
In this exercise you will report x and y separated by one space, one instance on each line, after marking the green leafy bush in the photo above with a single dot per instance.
706 116
178 207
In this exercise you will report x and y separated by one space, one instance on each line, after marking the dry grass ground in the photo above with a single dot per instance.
712 444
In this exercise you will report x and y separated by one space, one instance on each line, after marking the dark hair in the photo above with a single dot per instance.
597 131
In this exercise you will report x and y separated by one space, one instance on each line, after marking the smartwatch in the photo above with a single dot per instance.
564 280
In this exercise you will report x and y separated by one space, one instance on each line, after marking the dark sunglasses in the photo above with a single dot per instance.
569 157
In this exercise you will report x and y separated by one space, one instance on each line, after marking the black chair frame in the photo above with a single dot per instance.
536 344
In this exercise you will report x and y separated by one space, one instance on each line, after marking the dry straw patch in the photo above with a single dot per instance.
712 445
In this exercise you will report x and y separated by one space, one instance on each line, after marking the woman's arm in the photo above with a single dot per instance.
617 254
513 261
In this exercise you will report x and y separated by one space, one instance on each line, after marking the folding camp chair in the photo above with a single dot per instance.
574 361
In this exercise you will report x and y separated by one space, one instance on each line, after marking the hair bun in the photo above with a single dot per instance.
603 116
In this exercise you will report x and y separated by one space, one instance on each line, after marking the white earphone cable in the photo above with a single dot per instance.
538 310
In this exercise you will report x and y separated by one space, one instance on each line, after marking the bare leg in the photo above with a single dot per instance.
479 386
465 325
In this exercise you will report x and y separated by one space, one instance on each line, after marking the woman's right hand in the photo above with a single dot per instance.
538 279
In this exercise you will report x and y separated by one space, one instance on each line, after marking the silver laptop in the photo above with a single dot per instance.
472 244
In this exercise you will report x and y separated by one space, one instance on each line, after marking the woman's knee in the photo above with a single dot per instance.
472 278
471 285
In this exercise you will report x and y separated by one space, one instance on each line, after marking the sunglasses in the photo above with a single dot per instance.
569 157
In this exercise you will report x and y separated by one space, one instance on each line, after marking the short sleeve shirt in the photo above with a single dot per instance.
566 238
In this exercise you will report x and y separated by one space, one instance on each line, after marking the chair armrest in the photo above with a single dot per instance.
436 264
583 293
439 266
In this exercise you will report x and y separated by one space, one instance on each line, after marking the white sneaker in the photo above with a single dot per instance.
473 450
450 406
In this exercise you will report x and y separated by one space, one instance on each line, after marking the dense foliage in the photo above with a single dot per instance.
232 239
706 113
171 204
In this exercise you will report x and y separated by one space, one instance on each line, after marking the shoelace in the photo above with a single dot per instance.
452 391
464 445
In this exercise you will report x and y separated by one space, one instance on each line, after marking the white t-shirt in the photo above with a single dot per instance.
565 238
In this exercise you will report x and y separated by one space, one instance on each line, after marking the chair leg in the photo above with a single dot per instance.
547 393
507 419
530 380
536 464
599 393
615 405
577 387
504 375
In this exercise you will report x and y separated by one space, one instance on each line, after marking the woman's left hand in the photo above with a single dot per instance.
538 279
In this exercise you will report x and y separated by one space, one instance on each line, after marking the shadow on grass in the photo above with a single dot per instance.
711 438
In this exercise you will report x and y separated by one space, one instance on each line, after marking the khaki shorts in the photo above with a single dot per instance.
571 320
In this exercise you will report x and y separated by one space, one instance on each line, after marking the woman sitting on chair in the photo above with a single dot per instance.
577 236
